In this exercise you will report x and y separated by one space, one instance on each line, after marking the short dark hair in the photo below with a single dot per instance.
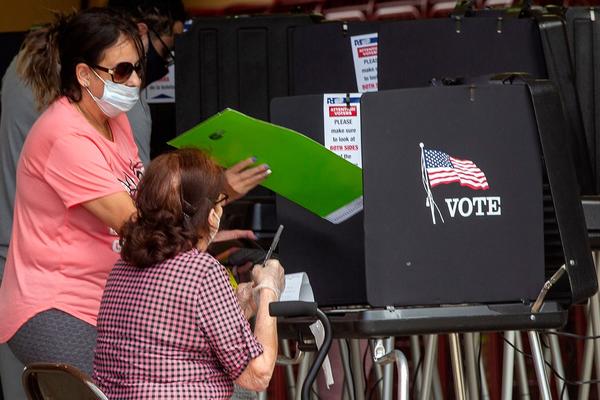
174 199
158 15
85 38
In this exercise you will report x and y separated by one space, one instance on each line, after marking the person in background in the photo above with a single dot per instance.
169 324
158 22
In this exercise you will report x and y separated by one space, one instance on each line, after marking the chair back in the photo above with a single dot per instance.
45 381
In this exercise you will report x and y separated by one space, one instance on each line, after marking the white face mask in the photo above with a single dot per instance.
117 98
214 229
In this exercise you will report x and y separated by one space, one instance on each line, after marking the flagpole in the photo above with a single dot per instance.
429 201
425 180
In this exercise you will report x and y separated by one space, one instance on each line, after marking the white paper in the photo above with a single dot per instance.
364 53
162 90
297 287
341 119
319 333
345 212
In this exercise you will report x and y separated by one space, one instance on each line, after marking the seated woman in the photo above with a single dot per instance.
170 325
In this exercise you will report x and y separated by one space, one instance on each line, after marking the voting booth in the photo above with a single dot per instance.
453 200
335 58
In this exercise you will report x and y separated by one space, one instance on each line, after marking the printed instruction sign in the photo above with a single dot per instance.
341 116
364 53
162 90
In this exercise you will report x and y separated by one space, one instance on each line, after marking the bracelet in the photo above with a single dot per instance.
265 286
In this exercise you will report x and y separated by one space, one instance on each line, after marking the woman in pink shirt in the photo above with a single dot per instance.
170 325
78 171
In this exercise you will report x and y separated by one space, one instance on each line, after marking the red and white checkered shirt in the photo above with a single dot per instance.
174 330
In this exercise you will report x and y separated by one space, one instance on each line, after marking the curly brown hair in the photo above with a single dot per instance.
173 201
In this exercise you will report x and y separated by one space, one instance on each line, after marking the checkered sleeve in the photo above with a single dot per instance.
222 320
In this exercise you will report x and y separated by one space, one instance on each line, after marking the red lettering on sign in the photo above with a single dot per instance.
368 51
342 111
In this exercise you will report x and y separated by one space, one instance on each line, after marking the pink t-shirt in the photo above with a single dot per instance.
60 254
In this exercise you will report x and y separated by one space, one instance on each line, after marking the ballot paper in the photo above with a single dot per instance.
297 288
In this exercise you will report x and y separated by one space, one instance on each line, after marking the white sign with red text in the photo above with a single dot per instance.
162 90
341 116
364 53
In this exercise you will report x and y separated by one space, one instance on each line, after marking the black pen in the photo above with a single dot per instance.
273 244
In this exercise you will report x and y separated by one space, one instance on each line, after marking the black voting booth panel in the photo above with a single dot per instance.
238 62
584 39
412 53
333 254
322 56
477 257
475 245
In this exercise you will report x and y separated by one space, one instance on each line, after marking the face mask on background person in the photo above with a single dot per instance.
116 98
156 66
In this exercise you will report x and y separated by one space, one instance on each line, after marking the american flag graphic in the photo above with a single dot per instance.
443 169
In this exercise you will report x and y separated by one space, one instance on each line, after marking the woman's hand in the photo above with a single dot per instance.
270 276
246 299
241 178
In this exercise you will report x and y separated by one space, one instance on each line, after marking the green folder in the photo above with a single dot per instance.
303 171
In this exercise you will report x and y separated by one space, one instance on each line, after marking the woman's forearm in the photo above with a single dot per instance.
257 374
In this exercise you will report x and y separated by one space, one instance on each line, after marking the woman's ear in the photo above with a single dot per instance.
143 31
82 71
212 214
142 28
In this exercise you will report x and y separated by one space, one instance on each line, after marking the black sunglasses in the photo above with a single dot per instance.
122 72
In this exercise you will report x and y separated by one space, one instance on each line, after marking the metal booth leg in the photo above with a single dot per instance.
437 383
558 365
591 352
457 368
586 369
348 379
538 361
357 368
485 392
388 371
382 357
289 369
303 368
471 365
415 351
428 362
508 366
377 369
523 384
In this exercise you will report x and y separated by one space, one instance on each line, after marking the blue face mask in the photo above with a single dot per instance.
116 98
